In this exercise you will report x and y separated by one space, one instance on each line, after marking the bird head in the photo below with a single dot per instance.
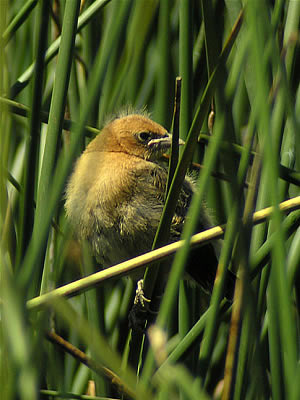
135 135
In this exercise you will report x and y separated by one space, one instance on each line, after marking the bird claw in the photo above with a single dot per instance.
139 294
140 310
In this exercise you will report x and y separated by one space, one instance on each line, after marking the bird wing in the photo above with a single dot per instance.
150 183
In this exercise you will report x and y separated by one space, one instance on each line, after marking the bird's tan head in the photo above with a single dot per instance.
133 134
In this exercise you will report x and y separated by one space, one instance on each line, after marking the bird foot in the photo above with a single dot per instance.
139 294
140 310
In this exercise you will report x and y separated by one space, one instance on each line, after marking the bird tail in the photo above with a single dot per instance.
202 267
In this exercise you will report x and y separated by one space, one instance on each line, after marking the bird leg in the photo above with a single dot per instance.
139 294
140 311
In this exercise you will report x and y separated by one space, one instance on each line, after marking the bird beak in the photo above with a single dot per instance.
164 142
181 142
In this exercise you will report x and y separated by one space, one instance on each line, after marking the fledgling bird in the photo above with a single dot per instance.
115 196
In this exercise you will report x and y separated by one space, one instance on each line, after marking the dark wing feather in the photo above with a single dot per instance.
202 262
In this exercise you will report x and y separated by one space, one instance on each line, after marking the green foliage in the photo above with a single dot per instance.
84 61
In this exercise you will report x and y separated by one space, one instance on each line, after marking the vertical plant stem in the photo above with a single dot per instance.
56 115
185 65
33 139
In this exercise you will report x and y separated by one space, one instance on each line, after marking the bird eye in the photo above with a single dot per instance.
144 136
